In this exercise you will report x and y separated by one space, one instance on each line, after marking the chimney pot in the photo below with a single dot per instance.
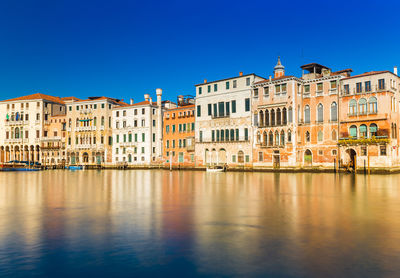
131 101
146 97
395 70
270 78
241 73
205 80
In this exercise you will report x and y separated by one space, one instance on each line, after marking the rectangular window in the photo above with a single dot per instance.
359 87
215 87
306 88
154 137
209 88
333 84
260 156
363 151
237 134
233 105
277 89
200 90
173 144
201 136
227 108
227 85
233 158
167 129
209 109
143 137
117 139
266 92
248 81
234 85
367 86
246 134
319 87
212 135
173 129
284 88
382 150
221 106
255 94
198 111
217 135
247 105
136 139
346 89
167 144
381 84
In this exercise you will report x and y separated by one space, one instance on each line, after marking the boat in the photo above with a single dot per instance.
75 168
216 169
23 167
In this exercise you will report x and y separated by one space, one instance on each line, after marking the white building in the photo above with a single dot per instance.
23 124
137 132
224 121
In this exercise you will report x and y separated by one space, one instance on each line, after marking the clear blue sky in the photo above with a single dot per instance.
127 48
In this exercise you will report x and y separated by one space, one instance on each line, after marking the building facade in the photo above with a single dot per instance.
224 121
89 130
178 136
24 121
137 132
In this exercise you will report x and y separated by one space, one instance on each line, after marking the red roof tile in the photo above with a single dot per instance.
37 96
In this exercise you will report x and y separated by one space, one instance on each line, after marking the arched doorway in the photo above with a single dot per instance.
98 158
222 156
73 159
352 159
85 157
307 158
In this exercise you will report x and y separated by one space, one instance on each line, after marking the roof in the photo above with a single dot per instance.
181 107
70 98
115 100
311 65
274 79
37 96
240 76
367 74
138 104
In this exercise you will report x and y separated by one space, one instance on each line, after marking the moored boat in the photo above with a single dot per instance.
216 169
9 167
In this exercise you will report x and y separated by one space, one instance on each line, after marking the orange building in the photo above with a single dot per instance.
178 136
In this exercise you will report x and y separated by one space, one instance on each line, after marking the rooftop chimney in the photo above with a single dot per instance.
159 94
131 101
241 73
270 78
205 80
395 70
146 97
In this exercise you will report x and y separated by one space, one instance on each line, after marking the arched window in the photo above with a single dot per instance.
353 107
16 135
265 138
333 112
102 120
363 130
266 118
308 137
307 114
334 135
373 130
284 116
320 113
373 105
353 131
258 137
362 106
276 138
278 117
282 138
272 117
320 136
270 138
95 121
261 116
289 136
290 116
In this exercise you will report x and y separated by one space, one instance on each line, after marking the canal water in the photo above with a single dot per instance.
156 223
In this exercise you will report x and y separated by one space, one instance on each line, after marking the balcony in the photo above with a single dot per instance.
16 141
127 144
374 140
368 90
190 148
219 116
16 123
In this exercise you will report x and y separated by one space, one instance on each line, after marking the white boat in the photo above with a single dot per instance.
216 169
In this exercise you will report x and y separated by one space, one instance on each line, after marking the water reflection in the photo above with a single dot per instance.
60 223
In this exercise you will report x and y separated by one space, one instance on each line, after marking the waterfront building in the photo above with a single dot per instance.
178 134
137 132
24 119
369 120
224 121
89 130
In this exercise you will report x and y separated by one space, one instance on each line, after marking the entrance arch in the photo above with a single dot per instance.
85 157
352 158
307 158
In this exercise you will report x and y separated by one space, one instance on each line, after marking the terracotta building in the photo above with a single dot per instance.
178 134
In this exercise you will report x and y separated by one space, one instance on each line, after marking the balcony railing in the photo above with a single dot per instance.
11 123
374 140
219 116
